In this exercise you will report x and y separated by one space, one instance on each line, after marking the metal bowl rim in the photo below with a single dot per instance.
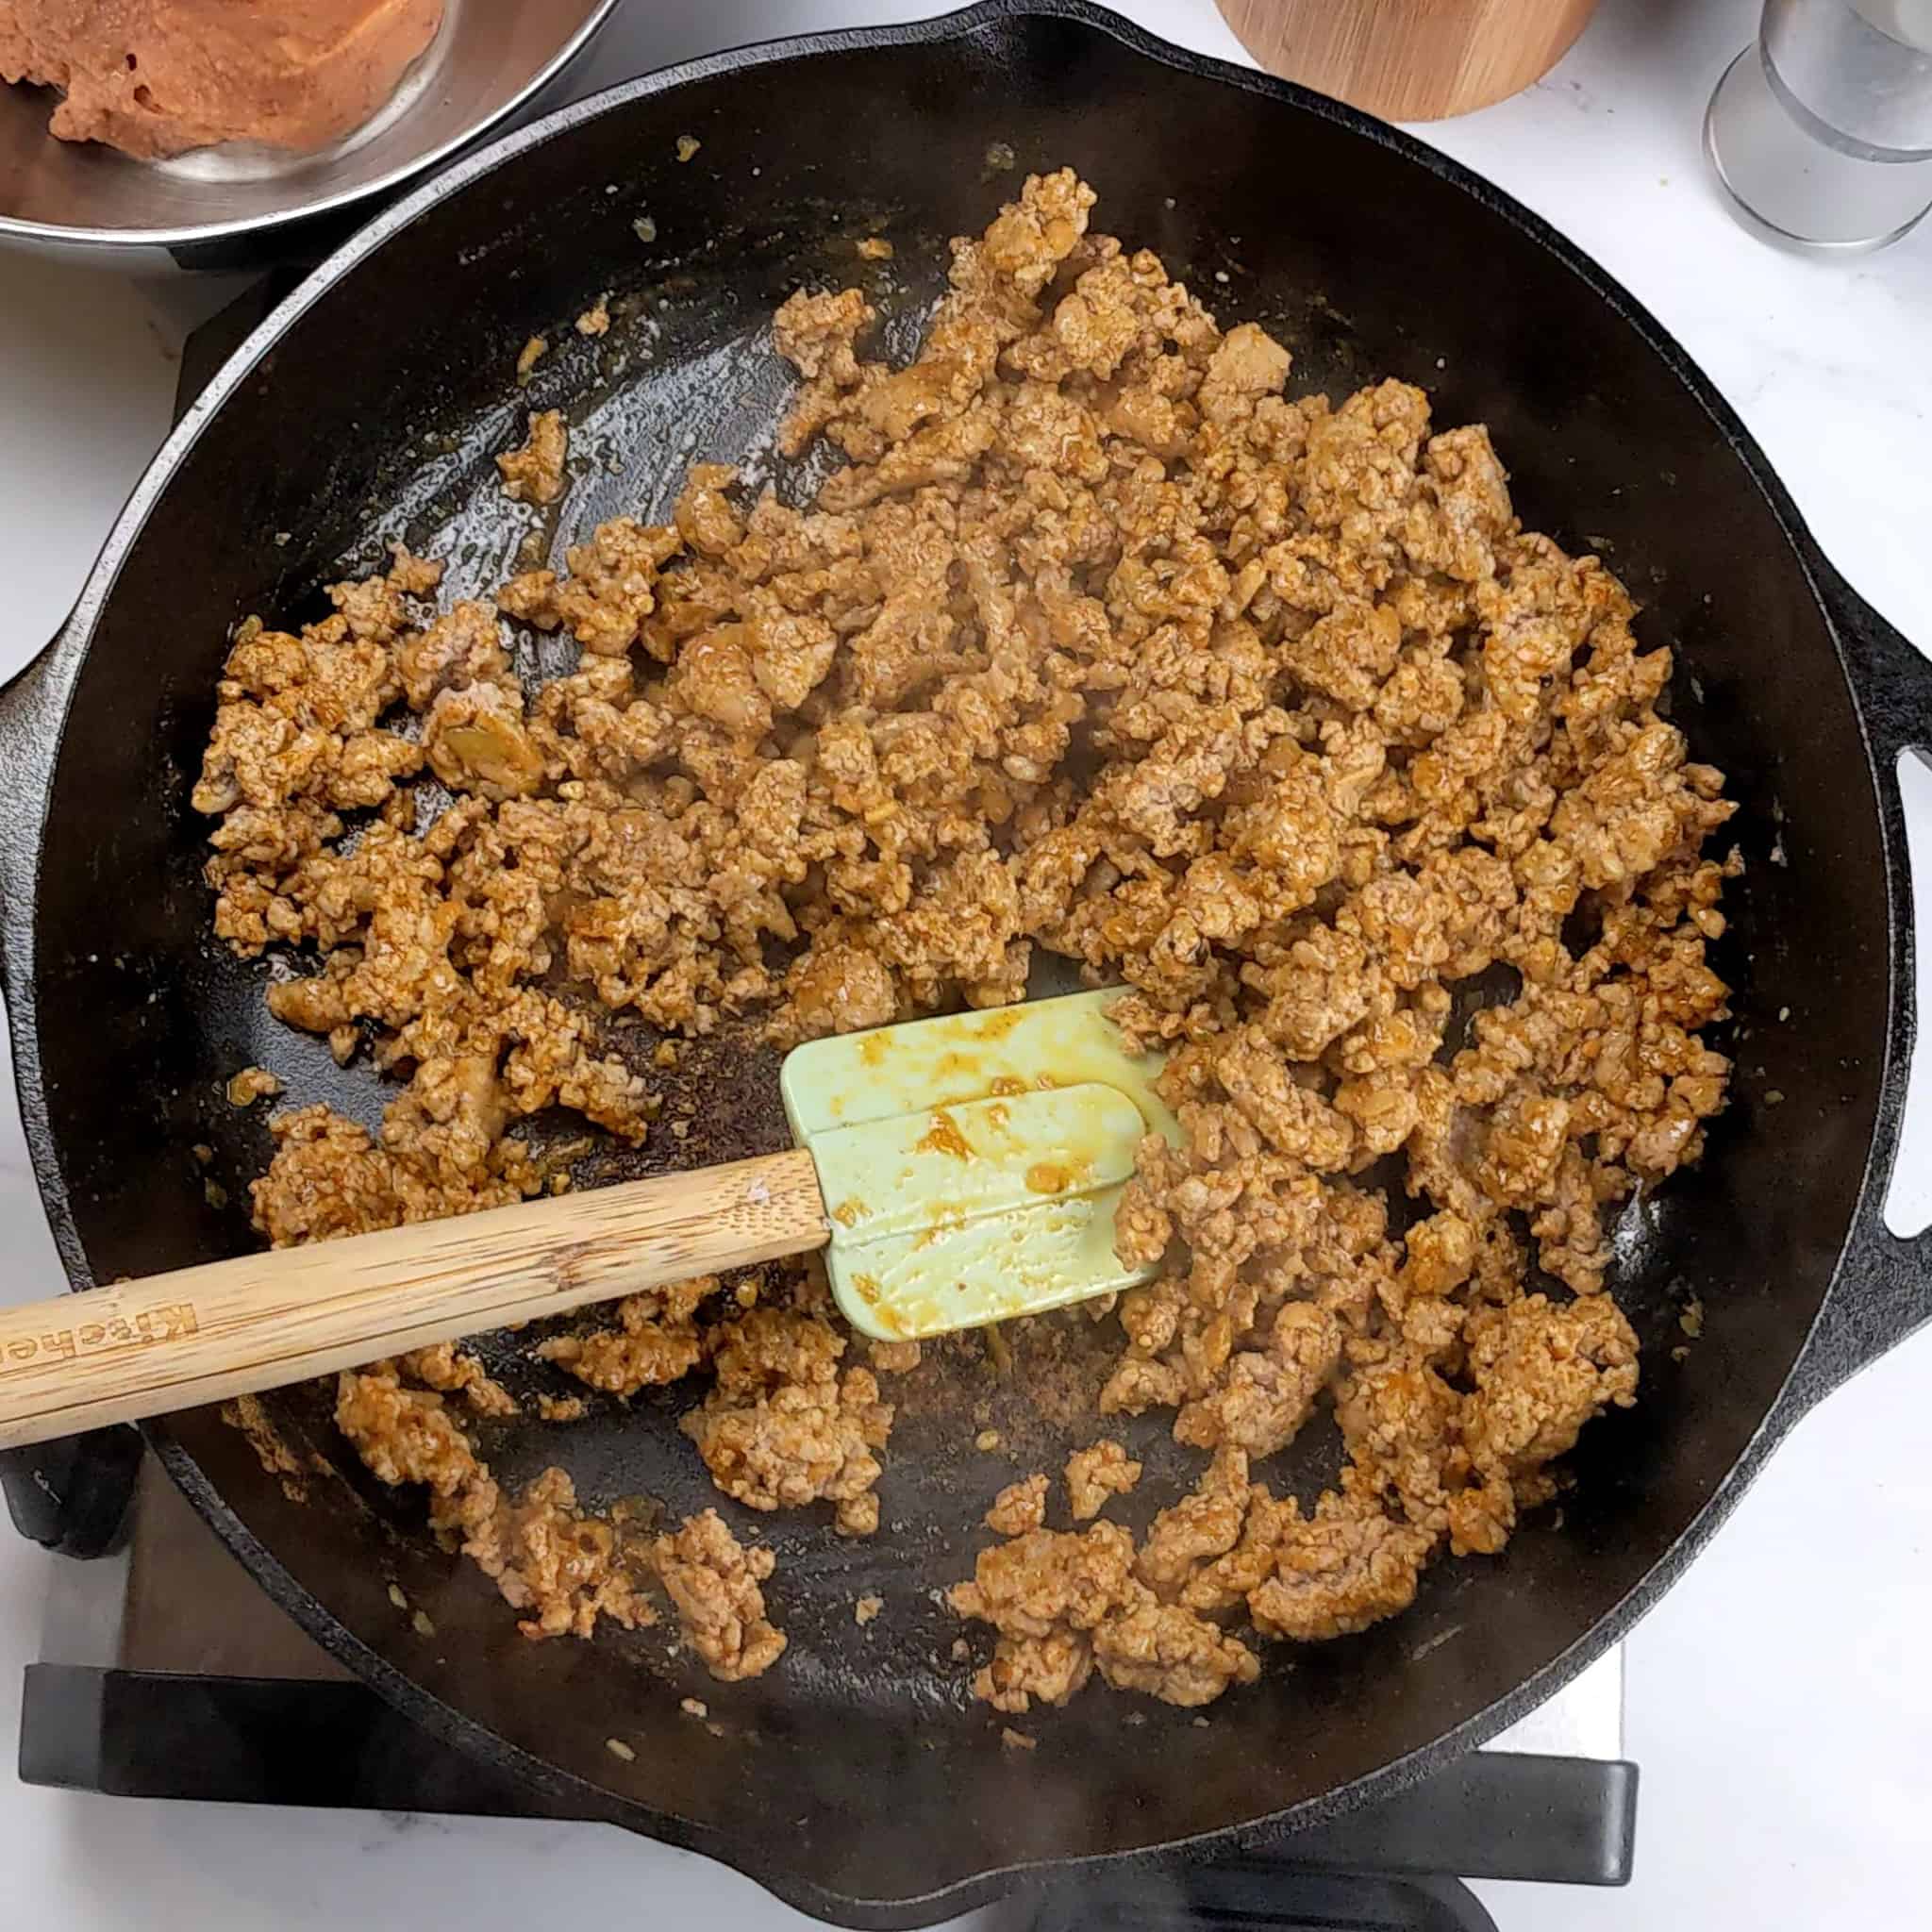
16 229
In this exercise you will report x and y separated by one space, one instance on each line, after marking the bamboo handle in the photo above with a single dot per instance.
142 1348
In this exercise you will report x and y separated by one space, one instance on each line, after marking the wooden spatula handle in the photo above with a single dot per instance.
142 1348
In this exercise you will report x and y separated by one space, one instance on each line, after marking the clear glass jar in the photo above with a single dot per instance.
1822 131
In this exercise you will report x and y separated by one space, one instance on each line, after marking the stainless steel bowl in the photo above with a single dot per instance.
240 205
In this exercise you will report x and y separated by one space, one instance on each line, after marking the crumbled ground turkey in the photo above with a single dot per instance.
1102 643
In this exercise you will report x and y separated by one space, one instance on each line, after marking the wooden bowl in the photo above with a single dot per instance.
1409 59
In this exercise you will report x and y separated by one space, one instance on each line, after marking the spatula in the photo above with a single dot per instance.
957 1170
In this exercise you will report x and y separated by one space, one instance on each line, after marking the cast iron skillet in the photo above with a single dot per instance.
856 1780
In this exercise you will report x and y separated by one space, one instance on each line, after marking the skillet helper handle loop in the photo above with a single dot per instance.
1892 675
70 1496
142 1348
33 706
1885 1283
31 702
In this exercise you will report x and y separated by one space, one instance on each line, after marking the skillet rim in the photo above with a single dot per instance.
53 677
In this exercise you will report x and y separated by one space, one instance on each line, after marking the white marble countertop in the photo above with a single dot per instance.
1780 1701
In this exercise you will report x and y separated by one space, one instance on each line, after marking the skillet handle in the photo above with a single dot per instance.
1883 1289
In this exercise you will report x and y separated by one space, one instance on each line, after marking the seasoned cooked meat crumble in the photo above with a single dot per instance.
533 473
1099 642
1094 1474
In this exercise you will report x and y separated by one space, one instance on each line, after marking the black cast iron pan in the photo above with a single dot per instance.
857 1780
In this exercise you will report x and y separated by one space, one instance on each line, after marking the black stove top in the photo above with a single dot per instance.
169 1674
172 1676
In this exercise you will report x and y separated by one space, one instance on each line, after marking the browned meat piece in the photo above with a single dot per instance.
1047 1577
705 517
1438 1255
531 597
1223 1583
404 1435
1169 1653
328 1178
1029 1670
534 472
459 650
611 586
546 1555
856 1515
293 742
1542 1371
476 741
252 1084
1097 1474
1064 1603
713 1580
1018 1508
1339 1571
565 1567
1268 1392
655 1342
1402 1425
1045 1592
445 1367
814 333
1200 1526
784 1428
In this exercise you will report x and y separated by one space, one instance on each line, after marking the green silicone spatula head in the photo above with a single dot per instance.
971 1164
